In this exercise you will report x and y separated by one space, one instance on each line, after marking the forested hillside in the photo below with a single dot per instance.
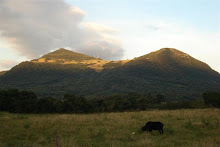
170 72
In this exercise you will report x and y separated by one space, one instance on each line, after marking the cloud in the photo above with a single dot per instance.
6 64
107 46
35 27
104 49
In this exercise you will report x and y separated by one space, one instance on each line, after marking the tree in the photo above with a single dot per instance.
75 104
46 105
8 98
25 102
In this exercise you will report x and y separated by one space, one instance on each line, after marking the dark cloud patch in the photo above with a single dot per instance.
103 49
152 27
34 27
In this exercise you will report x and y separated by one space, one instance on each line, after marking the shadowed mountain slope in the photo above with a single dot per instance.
2 72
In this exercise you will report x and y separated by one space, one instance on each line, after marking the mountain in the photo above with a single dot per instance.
172 63
167 71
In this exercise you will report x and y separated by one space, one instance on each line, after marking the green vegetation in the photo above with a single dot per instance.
195 128
16 101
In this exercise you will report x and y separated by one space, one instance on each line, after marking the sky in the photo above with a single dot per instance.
109 29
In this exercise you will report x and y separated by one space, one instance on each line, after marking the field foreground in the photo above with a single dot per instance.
198 127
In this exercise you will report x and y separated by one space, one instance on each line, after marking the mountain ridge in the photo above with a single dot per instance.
166 71
64 56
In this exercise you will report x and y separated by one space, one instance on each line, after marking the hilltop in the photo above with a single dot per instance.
66 55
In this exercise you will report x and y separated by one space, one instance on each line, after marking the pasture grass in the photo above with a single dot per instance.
186 127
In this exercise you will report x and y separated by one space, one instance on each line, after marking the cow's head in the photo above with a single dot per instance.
144 128
147 127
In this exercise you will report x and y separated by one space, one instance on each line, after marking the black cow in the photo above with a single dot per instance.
153 126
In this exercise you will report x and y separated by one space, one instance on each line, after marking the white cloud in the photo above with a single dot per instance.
34 27
6 64
100 28
77 11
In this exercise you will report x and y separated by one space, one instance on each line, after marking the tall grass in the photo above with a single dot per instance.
198 127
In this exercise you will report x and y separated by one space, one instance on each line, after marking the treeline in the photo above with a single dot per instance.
212 99
16 101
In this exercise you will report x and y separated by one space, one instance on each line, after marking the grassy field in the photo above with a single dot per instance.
198 127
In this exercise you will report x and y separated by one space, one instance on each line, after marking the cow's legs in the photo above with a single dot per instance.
160 132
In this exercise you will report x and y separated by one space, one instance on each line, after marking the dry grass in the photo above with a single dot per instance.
199 128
